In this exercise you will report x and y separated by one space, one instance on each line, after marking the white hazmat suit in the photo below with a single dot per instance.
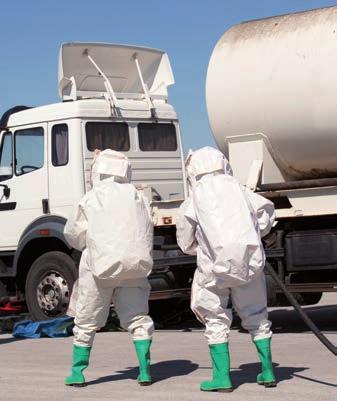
112 225
222 222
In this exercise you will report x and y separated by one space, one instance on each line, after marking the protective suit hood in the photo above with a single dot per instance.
206 160
110 164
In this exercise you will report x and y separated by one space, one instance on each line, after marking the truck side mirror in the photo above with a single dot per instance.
6 191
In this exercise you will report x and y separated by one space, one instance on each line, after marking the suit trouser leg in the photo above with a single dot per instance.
92 307
250 302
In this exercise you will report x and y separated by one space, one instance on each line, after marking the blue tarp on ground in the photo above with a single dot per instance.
59 327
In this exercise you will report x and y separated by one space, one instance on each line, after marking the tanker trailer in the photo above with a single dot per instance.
271 95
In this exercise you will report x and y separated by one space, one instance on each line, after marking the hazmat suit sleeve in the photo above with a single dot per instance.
146 203
186 227
264 209
76 228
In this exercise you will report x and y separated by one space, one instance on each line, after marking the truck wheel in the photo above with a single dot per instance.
49 284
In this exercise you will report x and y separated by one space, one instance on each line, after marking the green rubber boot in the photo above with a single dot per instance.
80 362
266 377
220 363
143 355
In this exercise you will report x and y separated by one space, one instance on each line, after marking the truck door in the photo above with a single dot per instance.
24 171
65 170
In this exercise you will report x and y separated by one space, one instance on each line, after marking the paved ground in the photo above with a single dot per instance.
34 369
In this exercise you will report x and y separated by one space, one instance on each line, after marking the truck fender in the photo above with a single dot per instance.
50 226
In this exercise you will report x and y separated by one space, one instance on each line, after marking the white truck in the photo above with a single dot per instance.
114 97
271 98
270 93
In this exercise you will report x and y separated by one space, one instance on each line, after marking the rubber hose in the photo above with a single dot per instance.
322 338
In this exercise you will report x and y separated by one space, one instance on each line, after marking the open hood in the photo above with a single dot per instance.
81 66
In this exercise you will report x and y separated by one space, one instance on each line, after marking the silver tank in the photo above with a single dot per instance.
278 76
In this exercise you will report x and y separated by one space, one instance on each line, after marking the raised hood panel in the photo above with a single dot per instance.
77 73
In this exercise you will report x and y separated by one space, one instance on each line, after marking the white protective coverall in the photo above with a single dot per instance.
222 222
113 227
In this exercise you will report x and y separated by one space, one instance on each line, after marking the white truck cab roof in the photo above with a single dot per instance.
90 108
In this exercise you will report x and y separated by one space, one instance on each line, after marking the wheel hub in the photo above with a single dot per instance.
53 294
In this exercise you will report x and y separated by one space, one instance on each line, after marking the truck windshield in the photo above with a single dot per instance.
103 135
157 137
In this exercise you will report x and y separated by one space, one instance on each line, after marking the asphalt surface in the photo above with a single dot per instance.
35 369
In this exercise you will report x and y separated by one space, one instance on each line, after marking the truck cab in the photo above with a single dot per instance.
113 96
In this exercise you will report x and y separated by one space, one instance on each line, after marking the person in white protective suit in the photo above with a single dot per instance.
222 223
113 227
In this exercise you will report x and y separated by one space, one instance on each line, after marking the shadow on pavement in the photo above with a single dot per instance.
247 374
9 340
159 371
316 381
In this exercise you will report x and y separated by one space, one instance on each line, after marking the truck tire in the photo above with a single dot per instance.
49 284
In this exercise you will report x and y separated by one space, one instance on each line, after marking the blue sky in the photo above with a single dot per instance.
31 32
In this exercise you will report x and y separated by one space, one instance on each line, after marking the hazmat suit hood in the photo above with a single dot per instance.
204 161
110 164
